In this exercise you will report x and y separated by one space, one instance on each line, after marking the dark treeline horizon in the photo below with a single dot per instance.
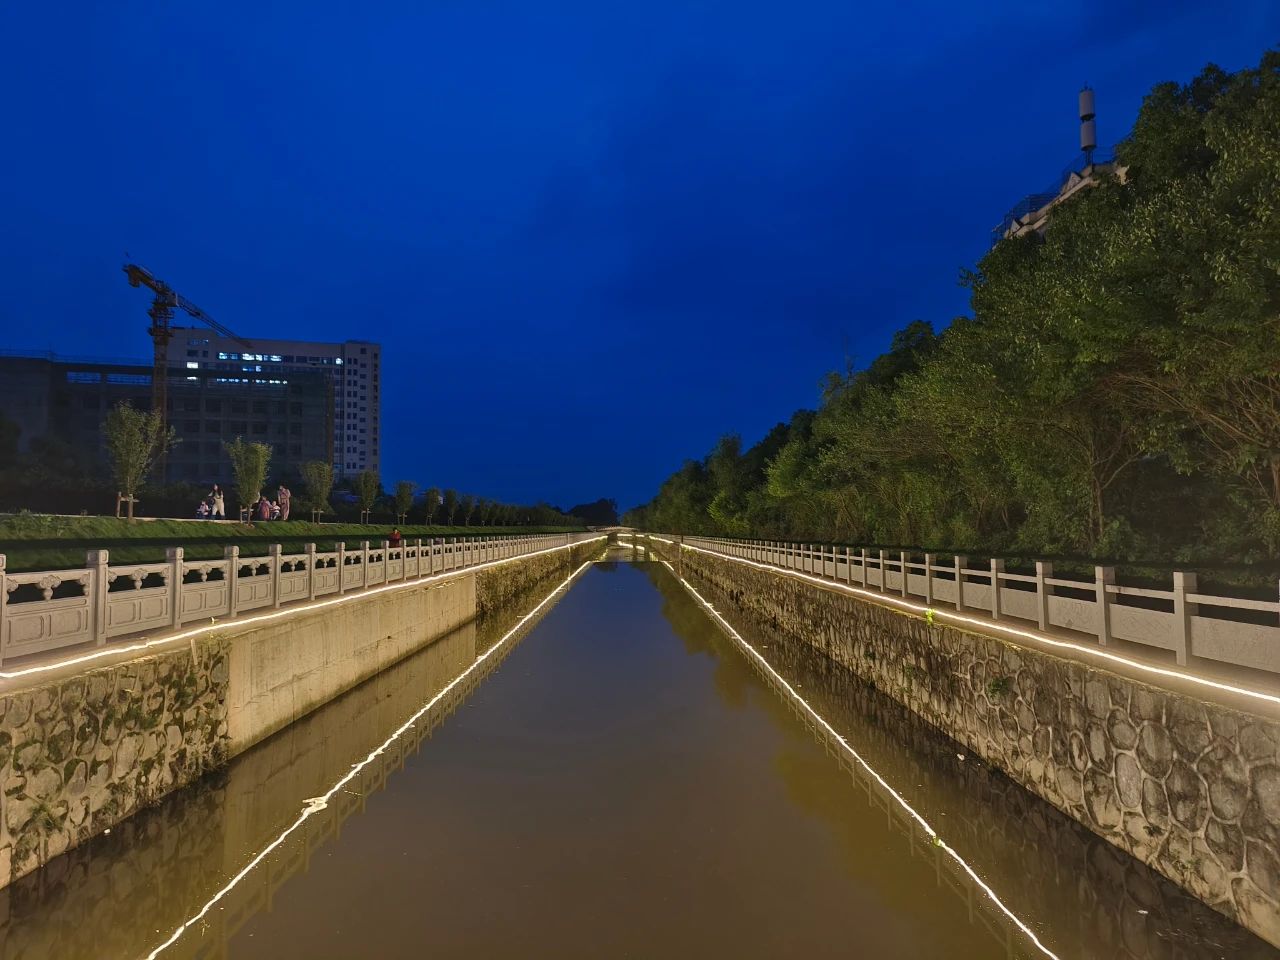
1115 394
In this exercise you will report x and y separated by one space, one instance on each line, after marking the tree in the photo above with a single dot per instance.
318 477
449 504
135 440
249 462
404 498
467 507
431 501
366 487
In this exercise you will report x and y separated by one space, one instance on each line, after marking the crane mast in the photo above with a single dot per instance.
165 301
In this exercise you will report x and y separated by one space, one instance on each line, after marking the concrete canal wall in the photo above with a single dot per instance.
1188 786
81 753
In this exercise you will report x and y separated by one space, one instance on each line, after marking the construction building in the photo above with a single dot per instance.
48 396
349 372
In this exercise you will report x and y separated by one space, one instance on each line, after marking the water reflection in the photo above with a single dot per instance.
123 894
1082 896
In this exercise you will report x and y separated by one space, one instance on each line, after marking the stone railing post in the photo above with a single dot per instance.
4 602
960 562
1044 591
342 568
929 559
906 573
174 557
997 568
274 553
884 572
232 556
364 563
864 559
1103 577
96 561
386 561
1183 583
310 550
417 561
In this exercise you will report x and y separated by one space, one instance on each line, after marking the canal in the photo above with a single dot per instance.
606 773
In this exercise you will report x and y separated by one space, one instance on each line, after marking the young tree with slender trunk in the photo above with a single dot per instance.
431 500
366 487
405 490
450 506
249 462
318 476
135 440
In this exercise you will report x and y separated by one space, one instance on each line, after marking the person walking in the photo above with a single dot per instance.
264 508
395 539
283 496
219 503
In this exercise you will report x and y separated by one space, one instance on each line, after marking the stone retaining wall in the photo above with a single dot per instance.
1189 787
78 756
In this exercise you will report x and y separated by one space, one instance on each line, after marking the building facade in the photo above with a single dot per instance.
350 372
66 400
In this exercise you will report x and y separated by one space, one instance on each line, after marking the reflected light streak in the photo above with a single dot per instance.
897 797
237 622
316 804
991 625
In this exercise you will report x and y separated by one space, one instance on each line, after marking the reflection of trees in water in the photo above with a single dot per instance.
607 566
732 678
1083 892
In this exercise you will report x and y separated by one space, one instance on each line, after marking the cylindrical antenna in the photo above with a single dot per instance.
1088 126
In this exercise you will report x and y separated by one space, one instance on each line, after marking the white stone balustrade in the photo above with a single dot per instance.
1191 625
49 610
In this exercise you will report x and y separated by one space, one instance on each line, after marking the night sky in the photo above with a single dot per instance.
592 237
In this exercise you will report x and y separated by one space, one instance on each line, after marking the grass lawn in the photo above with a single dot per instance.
43 542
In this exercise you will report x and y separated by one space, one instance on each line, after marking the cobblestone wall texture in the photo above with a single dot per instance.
80 755
1189 787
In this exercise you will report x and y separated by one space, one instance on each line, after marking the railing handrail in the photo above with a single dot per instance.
1189 623
101 604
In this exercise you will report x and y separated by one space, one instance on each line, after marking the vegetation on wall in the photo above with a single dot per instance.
1115 393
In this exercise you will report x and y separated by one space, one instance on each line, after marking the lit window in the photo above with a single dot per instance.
193 365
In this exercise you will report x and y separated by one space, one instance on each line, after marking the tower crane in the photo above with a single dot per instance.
161 312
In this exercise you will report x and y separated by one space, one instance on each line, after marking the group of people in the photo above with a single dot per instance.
214 505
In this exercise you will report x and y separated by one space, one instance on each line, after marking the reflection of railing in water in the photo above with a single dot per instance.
1083 887
155 869
250 899
415 730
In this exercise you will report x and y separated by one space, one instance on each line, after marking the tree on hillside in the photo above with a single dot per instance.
449 504
602 513
317 475
134 440
249 462
404 499
366 486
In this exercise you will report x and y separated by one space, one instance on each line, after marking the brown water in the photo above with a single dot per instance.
620 782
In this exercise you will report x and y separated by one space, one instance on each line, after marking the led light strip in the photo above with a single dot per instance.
316 804
237 622
990 625
839 738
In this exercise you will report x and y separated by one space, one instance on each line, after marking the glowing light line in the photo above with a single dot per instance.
237 622
989 625
839 738
316 804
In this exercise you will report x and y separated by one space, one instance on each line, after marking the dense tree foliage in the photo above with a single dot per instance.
1116 391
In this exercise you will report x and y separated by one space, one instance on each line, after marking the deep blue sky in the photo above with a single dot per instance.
593 236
